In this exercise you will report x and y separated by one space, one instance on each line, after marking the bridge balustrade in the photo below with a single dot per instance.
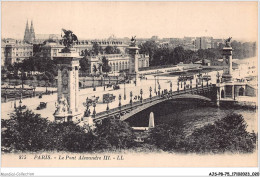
134 105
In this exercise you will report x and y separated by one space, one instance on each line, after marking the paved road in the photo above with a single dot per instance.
164 81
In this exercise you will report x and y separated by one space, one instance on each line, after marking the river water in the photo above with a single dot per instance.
194 114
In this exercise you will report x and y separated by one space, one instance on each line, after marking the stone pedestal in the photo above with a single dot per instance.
68 87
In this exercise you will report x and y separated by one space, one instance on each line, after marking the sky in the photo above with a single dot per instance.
90 20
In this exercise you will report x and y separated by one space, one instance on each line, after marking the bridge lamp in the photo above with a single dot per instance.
94 111
20 104
154 84
107 105
131 95
124 86
150 89
171 86
159 88
141 92
119 98
94 88
178 84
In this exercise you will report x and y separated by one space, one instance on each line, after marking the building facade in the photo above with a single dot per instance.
204 42
117 62
15 51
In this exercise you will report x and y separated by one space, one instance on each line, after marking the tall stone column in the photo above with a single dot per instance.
133 62
227 57
68 88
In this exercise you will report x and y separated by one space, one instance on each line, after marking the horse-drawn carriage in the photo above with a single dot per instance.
108 98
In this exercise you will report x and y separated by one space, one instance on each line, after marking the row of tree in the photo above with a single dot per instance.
97 49
164 56
26 131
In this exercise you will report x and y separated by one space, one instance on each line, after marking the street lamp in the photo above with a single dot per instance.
154 84
141 92
171 87
178 84
131 95
124 86
150 89
159 88
94 111
119 98
107 105
197 84
94 88
185 85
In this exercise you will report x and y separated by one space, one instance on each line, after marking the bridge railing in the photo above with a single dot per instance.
136 104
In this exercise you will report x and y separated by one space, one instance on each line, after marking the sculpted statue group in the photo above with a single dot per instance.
133 41
67 40
228 42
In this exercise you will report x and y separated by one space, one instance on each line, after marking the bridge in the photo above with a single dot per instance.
126 111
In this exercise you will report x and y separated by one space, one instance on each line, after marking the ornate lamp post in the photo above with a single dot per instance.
178 88
124 86
171 87
141 92
119 98
185 85
94 88
154 84
159 88
15 100
20 102
131 95
107 105
197 84
94 111
150 89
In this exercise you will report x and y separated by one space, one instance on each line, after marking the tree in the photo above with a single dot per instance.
84 65
149 47
113 134
227 134
112 50
96 49
105 66
25 131
168 136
